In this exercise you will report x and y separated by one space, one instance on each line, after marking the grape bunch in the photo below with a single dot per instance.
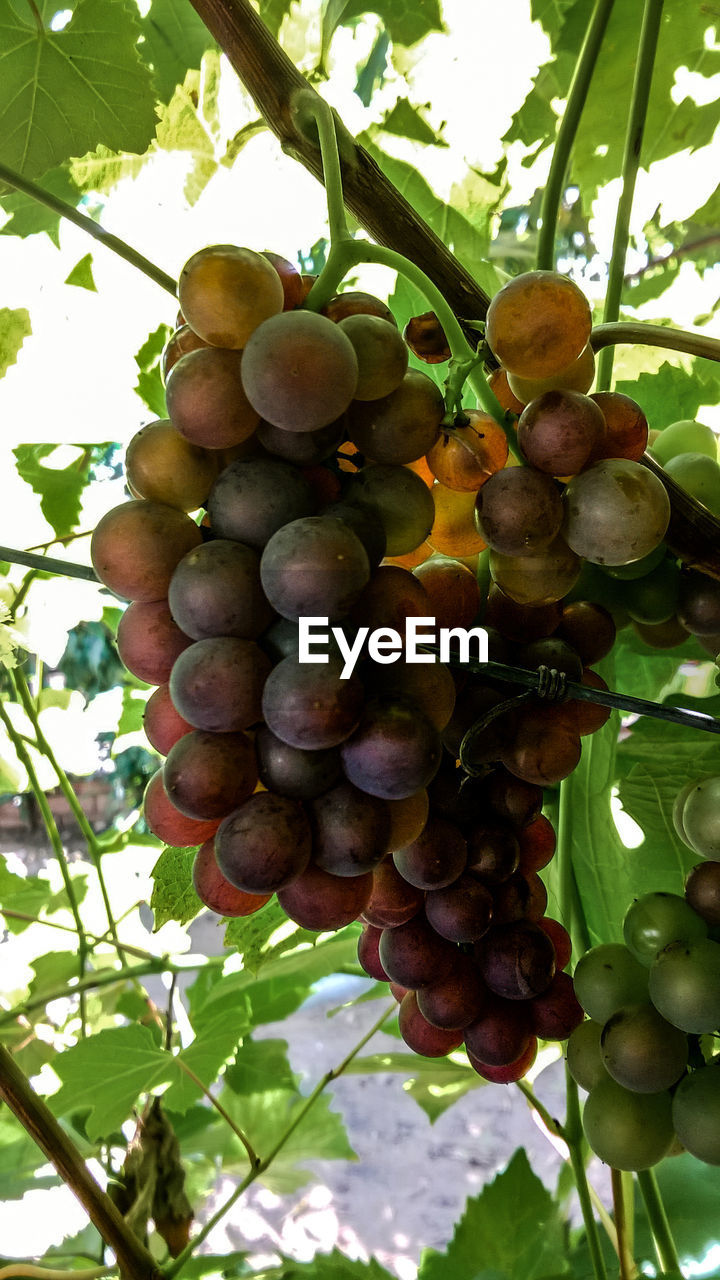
645 1055
329 483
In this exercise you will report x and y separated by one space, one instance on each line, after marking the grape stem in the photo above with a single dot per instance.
660 1227
48 564
89 226
260 1165
566 132
622 1209
573 1136
647 46
654 335
346 252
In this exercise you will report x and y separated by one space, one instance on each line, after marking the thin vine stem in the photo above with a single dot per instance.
346 253
654 335
57 847
91 228
551 1124
573 1137
48 564
262 1164
647 46
93 845
54 1273
215 1102
660 1227
574 106
89 982
622 1209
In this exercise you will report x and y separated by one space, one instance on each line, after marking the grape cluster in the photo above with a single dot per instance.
331 485
642 1055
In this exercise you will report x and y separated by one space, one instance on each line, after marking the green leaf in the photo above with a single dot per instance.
182 128
20 1159
648 793
251 934
134 702
434 1083
53 970
27 894
265 1117
670 394
407 21
28 216
274 12
66 91
175 38
332 1266
257 1062
513 1230
106 1073
406 121
150 385
226 1265
60 490
173 895
15 327
218 1028
81 274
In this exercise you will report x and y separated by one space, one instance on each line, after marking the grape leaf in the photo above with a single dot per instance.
406 121
251 934
175 38
28 216
60 490
513 1230
407 21
434 1083
20 1159
15 327
670 394
218 1028
648 795
27 894
150 386
66 91
106 1073
257 1062
81 274
332 1266
173 895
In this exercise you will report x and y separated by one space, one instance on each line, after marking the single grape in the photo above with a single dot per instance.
702 891
318 901
137 546
149 641
686 436
381 355
314 567
642 1051
685 985
538 323
519 511
699 476
559 431
292 771
627 427
264 844
584 1057
299 370
414 955
615 511
657 919
426 339
225 291
349 830
206 775
161 465
701 818
420 1035
607 978
578 376
216 892
394 751
403 500
254 497
696 1113
458 999
628 1130
392 900
206 401
699 603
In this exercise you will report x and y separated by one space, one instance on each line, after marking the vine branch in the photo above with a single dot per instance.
134 1260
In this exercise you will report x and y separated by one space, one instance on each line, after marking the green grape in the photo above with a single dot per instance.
616 511
696 1113
685 985
638 568
654 597
654 921
699 476
628 1130
642 1051
584 1058
607 978
701 818
677 812
686 436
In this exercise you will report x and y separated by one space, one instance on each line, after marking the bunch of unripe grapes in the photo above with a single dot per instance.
304 470
646 1055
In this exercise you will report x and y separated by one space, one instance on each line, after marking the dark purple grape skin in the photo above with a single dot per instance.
216 591
350 830
517 961
219 682
292 771
394 752
436 858
207 775
310 705
314 567
254 497
414 955
456 1000
264 844
462 911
